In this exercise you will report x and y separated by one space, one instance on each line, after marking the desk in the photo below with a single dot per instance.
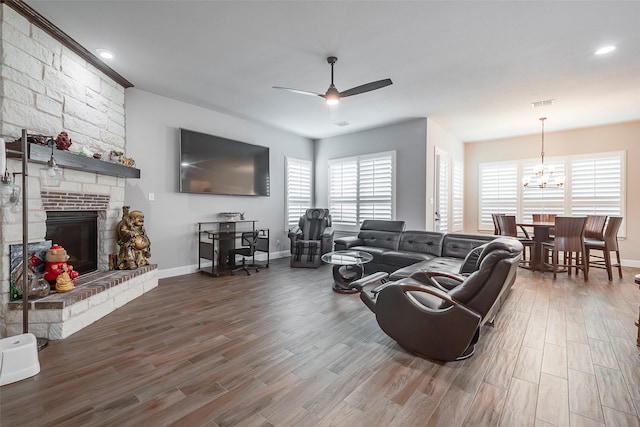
217 240
540 235
348 266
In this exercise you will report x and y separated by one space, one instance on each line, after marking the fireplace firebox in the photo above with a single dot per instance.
77 232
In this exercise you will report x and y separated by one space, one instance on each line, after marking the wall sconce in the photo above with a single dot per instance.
9 196
51 176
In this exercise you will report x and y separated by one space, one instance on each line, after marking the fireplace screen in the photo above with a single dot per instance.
77 232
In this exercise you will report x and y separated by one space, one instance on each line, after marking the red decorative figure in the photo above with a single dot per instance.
57 264
63 142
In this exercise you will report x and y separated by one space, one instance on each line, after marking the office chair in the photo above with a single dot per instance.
249 240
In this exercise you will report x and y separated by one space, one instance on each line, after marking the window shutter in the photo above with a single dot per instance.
375 188
596 187
458 197
298 189
361 188
549 199
443 193
498 192
343 191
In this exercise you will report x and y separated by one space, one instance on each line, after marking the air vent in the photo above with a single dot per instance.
540 104
343 123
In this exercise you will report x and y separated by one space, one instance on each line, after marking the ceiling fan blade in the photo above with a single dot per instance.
367 87
303 92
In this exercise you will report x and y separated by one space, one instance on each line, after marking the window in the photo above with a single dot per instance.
298 198
361 188
457 221
498 191
442 191
594 185
542 200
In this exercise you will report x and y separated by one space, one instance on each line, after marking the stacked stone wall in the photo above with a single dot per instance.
46 88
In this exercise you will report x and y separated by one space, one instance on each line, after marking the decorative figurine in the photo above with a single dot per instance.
135 247
64 283
63 142
56 259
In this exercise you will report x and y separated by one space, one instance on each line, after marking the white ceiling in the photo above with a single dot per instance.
473 67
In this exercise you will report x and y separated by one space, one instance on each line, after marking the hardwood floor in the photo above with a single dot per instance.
281 348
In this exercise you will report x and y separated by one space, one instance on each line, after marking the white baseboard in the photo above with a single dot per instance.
190 269
630 263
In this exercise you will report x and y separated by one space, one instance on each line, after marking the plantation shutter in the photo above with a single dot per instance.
361 188
498 191
596 186
457 223
298 190
343 191
375 185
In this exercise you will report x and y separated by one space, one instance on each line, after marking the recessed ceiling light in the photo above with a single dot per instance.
604 50
105 54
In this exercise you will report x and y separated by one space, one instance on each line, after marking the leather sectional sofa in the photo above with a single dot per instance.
402 253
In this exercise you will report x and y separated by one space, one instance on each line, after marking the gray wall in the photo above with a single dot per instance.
409 140
152 125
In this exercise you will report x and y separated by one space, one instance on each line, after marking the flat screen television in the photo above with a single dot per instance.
215 165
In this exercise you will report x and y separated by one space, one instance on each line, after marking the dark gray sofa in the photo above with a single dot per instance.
402 253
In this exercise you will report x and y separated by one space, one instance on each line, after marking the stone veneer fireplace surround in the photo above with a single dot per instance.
98 293
51 83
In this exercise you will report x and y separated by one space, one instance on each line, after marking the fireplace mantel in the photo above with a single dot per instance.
42 154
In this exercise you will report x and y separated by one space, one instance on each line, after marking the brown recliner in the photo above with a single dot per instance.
427 319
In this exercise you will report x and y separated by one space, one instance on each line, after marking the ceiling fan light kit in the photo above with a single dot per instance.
333 95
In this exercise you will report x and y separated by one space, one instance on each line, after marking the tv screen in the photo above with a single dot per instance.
215 165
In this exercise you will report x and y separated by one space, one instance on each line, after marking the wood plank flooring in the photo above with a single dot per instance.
281 348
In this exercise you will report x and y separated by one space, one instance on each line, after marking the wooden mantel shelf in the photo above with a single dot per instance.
65 159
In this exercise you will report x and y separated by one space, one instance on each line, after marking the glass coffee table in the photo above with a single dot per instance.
348 266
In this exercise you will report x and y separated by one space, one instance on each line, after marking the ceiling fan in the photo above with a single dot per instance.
333 96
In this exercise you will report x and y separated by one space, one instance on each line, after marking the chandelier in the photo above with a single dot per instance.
543 176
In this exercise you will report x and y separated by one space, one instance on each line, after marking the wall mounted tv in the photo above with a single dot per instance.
215 165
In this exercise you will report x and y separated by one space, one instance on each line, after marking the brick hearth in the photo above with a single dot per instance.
97 294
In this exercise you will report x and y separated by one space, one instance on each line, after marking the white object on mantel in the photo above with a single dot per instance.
18 358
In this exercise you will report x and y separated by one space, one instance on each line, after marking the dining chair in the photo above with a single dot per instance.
545 218
594 227
496 225
569 240
507 226
607 244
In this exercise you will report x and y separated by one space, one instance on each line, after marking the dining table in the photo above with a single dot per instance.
541 234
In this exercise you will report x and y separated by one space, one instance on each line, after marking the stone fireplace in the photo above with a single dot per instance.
51 84
81 216
78 222
76 231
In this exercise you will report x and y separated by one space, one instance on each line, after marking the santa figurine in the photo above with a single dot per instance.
56 259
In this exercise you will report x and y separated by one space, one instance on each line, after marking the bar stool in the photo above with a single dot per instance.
569 240
607 244
507 226
594 227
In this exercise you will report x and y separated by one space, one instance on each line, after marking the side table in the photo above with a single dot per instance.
348 266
